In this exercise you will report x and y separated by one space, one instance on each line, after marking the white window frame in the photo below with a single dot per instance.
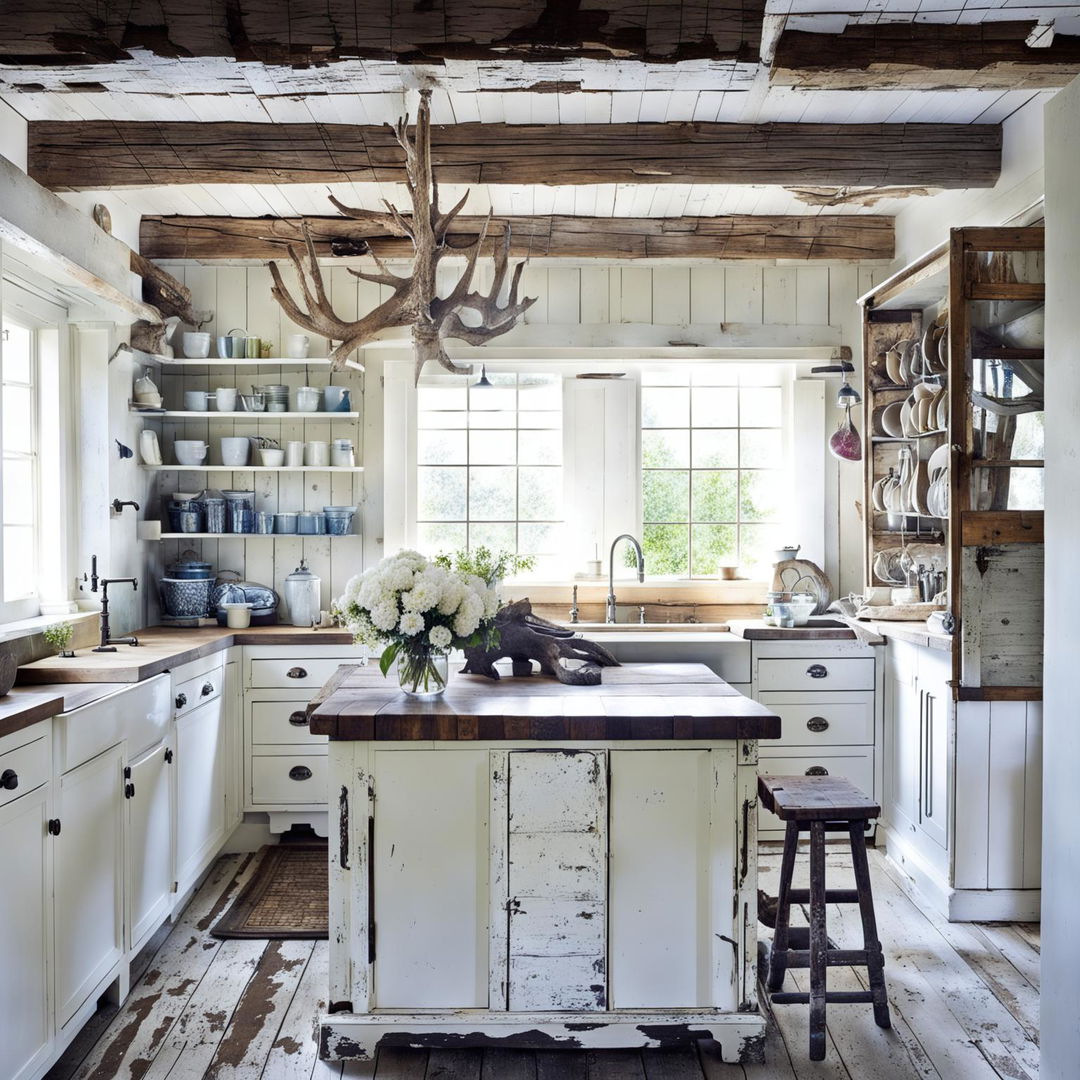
47 322
602 453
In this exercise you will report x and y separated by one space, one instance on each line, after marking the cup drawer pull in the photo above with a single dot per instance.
299 772
208 689
296 673
298 718
817 671
817 723
817 770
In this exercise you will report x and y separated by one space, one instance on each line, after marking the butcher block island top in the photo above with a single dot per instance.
527 864
634 701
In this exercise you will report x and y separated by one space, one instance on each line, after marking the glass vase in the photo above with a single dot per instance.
423 674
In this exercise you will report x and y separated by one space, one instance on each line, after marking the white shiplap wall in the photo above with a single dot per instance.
780 297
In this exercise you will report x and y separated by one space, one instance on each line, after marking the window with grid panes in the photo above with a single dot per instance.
489 466
713 475
18 392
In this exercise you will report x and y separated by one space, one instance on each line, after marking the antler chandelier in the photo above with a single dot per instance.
414 300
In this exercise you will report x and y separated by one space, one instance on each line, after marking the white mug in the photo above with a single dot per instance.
294 454
296 346
317 453
235 449
225 399
195 400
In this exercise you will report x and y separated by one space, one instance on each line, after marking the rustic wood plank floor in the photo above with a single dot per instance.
964 1001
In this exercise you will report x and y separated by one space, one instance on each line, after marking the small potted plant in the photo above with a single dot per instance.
490 566
58 636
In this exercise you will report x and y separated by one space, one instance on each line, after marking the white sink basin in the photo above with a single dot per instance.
590 629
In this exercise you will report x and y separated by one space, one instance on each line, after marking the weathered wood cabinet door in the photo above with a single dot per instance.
430 872
557 880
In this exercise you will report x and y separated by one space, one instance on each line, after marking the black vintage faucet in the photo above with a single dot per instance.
109 643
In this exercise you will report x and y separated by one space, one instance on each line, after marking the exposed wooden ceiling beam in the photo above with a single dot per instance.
827 236
101 154
925 56
325 31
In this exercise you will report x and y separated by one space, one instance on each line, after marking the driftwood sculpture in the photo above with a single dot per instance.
524 637
413 300
173 299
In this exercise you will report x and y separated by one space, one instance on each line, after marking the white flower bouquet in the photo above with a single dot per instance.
419 611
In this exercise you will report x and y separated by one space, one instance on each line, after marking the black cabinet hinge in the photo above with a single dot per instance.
168 757
54 826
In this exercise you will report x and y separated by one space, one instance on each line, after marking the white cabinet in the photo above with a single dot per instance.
200 790
828 697
89 877
962 808
284 764
233 699
148 792
26 869
487 886
935 670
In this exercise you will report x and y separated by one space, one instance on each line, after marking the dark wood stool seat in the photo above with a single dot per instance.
820 805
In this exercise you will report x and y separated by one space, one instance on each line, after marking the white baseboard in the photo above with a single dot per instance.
928 886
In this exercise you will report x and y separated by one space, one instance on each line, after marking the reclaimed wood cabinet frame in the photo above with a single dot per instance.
975 539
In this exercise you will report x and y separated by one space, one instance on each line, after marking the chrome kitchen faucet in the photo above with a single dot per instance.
610 617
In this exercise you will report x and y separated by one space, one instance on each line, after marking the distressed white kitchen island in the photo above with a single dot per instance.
524 863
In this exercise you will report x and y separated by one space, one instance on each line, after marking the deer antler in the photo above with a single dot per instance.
414 300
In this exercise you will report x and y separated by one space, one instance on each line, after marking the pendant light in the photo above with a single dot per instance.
483 383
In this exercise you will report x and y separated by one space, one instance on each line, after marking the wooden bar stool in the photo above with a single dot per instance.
819 805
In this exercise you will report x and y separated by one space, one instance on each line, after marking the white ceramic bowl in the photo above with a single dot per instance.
271 457
190 451
196 345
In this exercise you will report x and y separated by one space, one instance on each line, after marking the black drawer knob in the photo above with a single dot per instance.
208 689
817 671
817 770
181 700
299 772
817 723
296 673
9 780
298 718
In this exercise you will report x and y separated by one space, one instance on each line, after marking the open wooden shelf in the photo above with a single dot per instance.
239 361
213 414
255 468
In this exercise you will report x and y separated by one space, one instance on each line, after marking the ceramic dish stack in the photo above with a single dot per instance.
937 494
275 396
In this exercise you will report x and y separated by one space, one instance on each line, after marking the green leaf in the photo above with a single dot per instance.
389 655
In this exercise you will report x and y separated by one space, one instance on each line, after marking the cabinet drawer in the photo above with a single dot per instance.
281 722
836 673
23 769
288 778
193 692
823 719
293 672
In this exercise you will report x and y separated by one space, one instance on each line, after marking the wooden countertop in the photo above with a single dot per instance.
21 708
163 647
915 632
635 701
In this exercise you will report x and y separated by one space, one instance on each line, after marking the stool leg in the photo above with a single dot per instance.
875 959
778 954
819 941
